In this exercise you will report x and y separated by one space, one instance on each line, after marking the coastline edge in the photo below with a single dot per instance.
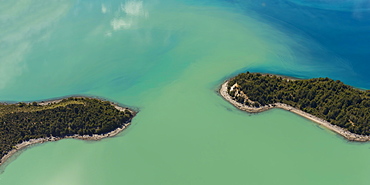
94 137
345 133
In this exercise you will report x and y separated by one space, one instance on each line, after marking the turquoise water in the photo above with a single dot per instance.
167 58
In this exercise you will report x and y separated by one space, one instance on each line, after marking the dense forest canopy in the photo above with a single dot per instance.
83 116
331 100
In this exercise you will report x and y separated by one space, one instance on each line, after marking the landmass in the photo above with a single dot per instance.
332 104
24 124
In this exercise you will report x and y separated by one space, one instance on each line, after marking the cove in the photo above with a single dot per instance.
168 58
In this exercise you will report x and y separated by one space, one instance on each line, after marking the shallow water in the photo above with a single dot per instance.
167 58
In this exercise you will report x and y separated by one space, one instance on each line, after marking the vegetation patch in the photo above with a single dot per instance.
76 115
331 100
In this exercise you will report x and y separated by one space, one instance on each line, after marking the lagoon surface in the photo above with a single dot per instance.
167 58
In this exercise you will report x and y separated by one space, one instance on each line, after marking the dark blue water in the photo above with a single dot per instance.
341 30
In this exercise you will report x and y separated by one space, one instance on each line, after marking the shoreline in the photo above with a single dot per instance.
94 137
344 133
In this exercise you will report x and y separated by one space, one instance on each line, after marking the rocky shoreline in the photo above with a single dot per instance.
94 137
345 133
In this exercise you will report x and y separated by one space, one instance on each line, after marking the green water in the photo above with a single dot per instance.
169 64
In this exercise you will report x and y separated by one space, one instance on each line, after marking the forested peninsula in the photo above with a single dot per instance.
339 107
23 124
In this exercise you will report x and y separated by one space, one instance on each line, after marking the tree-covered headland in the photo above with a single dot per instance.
83 116
331 100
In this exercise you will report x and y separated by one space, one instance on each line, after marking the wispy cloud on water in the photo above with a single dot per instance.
134 8
127 16
103 9
121 24
22 26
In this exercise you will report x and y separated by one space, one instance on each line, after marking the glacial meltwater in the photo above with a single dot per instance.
167 58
